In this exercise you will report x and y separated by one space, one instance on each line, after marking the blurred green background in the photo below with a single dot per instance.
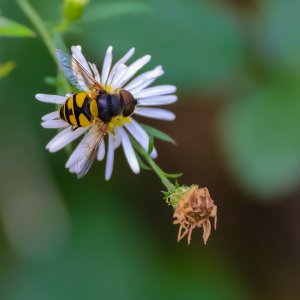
237 67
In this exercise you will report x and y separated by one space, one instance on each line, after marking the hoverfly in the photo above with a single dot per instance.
95 106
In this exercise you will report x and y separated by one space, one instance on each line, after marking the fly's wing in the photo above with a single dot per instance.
90 148
76 73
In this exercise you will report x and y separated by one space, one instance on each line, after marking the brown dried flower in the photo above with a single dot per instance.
194 210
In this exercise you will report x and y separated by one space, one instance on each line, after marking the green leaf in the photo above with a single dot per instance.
158 134
103 11
6 68
142 164
10 28
173 176
165 193
261 138
151 144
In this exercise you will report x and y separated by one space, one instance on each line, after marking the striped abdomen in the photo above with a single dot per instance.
76 110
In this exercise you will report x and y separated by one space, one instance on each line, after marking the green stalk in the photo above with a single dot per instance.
49 41
63 25
38 23
159 172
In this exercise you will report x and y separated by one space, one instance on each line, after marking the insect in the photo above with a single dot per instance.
94 106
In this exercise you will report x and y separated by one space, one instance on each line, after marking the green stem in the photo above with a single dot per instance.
37 21
159 172
39 25
63 25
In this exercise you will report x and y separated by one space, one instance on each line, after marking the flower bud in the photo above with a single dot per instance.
73 9
193 209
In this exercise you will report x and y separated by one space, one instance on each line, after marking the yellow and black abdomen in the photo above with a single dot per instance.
76 110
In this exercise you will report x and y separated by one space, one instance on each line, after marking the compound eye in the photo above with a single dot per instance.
128 101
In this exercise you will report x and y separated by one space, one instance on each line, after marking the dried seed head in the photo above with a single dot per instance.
193 210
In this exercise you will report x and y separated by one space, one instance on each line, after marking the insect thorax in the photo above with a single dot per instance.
109 106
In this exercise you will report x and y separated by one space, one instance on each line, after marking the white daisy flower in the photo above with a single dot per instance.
116 81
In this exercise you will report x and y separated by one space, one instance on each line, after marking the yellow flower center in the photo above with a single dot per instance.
108 88
111 90
116 122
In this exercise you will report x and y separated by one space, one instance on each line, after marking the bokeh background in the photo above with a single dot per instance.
237 68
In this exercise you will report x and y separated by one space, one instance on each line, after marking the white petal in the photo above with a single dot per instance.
74 156
51 116
101 151
133 68
76 51
156 91
95 72
154 153
139 80
64 137
129 151
158 100
55 124
117 139
120 62
79 150
81 84
56 99
138 132
142 86
106 64
73 169
77 54
80 161
119 76
110 158
155 113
